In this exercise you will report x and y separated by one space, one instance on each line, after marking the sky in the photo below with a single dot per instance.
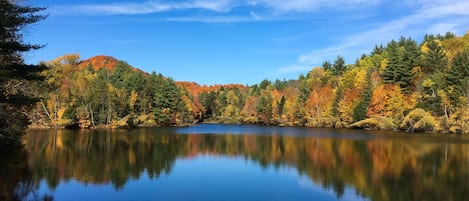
235 41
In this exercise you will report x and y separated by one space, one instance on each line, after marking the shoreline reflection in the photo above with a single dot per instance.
377 169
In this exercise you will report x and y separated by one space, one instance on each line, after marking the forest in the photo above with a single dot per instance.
403 85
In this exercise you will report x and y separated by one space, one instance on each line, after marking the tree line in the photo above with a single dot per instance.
105 92
403 85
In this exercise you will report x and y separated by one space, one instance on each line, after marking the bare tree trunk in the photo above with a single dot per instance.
48 114
318 116
92 116
56 107
446 113
109 112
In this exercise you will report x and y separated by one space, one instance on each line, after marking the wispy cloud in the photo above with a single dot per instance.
147 7
214 19
443 27
289 71
311 5
318 56
293 69
255 16
435 17
427 18
144 7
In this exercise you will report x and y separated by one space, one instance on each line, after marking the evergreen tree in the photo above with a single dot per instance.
120 75
434 60
378 50
458 76
301 77
167 101
255 91
429 100
449 35
339 95
100 98
222 101
394 60
14 73
281 105
411 59
339 66
429 37
360 110
327 66
264 108
280 85
411 52
209 101
303 93
399 66
264 84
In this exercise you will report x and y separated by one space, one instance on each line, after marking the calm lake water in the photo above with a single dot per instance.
238 163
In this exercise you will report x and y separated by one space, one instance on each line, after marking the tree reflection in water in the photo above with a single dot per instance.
16 181
412 168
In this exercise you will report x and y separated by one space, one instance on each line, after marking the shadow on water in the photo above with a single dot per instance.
16 181
377 167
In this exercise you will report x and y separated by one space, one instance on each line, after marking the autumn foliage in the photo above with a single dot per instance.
379 91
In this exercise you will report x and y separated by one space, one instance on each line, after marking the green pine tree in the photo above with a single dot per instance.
14 73
339 66
458 76
281 105
327 66
434 60
399 66
360 110
339 95
264 108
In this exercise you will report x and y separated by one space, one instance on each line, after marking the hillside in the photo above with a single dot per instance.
105 92
404 85
99 62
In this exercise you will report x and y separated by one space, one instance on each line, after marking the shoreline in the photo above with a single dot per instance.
246 124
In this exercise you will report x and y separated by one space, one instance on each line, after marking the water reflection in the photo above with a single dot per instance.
378 169
16 181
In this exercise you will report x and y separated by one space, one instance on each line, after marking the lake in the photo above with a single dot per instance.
213 162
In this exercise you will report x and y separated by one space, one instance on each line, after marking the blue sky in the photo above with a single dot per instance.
235 41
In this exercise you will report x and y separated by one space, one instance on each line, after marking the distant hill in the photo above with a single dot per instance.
98 62
103 61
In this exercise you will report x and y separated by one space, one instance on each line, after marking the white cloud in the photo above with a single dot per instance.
214 19
430 17
211 5
252 17
144 7
318 56
293 69
442 28
311 5
255 16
